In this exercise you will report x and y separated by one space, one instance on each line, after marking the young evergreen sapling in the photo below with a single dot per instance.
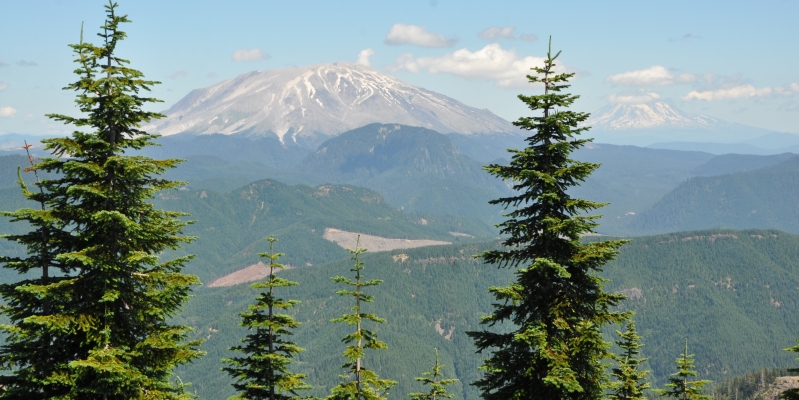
630 382
97 323
557 306
360 383
438 386
679 387
263 372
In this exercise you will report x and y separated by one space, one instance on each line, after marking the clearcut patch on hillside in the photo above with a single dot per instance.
252 273
374 244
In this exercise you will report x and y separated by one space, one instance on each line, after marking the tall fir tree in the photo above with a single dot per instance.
438 386
96 323
263 373
630 381
679 387
552 345
360 383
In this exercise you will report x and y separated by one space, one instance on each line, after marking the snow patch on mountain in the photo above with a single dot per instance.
316 102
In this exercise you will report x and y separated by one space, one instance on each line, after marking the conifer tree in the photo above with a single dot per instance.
630 382
679 387
551 346
438 386
360 383
263 373
95 324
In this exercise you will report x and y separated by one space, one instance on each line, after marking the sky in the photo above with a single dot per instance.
734 60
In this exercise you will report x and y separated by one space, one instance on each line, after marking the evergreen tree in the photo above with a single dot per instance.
630 381
438 386
96 323
679 387
263 373
556 308
360 383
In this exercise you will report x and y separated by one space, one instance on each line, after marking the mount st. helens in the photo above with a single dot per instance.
307 105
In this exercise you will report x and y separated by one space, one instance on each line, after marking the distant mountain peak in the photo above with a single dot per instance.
650 116
316 102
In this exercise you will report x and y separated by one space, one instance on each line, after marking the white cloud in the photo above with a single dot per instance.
491 63
363 57
790 90
23 63
496 32
249 55
3 86
7 112
528 37
655 75
2 64
416 35
633 98
178 74
746 91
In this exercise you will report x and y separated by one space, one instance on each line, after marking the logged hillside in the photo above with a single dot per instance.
765 197
731 293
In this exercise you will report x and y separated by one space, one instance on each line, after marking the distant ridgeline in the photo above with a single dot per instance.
418 169
765 197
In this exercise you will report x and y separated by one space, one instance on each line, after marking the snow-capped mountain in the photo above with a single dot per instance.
310 104
648 116
647 124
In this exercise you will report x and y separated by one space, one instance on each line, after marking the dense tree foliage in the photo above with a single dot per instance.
629 378
679 386
263 372
95 324
360 382
557 306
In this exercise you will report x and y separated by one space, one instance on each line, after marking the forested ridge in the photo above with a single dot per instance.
677 284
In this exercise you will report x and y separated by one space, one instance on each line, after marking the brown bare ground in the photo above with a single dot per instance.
375 243
252 273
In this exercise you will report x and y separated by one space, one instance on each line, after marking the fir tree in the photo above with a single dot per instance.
552 346
360 383
679 387
630 380
96 323
438 386
263 373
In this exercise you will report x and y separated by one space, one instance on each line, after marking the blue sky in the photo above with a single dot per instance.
733 60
